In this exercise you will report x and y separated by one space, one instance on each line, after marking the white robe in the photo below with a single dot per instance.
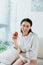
28 44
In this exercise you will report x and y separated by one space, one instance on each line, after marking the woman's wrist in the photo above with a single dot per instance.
15 48
23 53
18 50
15 45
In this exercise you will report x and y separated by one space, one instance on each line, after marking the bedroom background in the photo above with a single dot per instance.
13 11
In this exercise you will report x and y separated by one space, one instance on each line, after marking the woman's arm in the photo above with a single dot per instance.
15 44
14 37
32 55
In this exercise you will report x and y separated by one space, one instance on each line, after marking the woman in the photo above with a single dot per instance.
26 44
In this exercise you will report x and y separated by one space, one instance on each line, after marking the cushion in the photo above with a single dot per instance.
9 56
40 53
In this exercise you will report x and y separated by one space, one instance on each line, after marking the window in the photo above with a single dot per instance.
4 19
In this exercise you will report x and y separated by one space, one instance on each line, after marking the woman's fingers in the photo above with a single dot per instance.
15 35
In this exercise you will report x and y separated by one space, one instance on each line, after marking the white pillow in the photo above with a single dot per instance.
40 52
9 56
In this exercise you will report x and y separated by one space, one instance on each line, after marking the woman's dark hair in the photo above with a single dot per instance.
27 20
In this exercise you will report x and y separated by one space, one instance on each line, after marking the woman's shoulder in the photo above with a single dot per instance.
35 36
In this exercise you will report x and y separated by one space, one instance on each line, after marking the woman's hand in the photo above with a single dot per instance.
14 37
23 54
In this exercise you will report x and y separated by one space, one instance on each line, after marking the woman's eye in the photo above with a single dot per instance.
23 25
27 26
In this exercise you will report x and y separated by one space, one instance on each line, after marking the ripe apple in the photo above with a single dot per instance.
16 34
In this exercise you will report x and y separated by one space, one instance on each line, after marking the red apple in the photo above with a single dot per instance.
16 34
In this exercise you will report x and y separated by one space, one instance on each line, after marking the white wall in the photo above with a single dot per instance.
24 10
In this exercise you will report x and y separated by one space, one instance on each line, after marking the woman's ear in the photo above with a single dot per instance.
30 27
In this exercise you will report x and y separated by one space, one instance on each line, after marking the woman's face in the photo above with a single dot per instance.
25 27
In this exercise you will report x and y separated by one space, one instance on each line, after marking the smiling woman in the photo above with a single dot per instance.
27 43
